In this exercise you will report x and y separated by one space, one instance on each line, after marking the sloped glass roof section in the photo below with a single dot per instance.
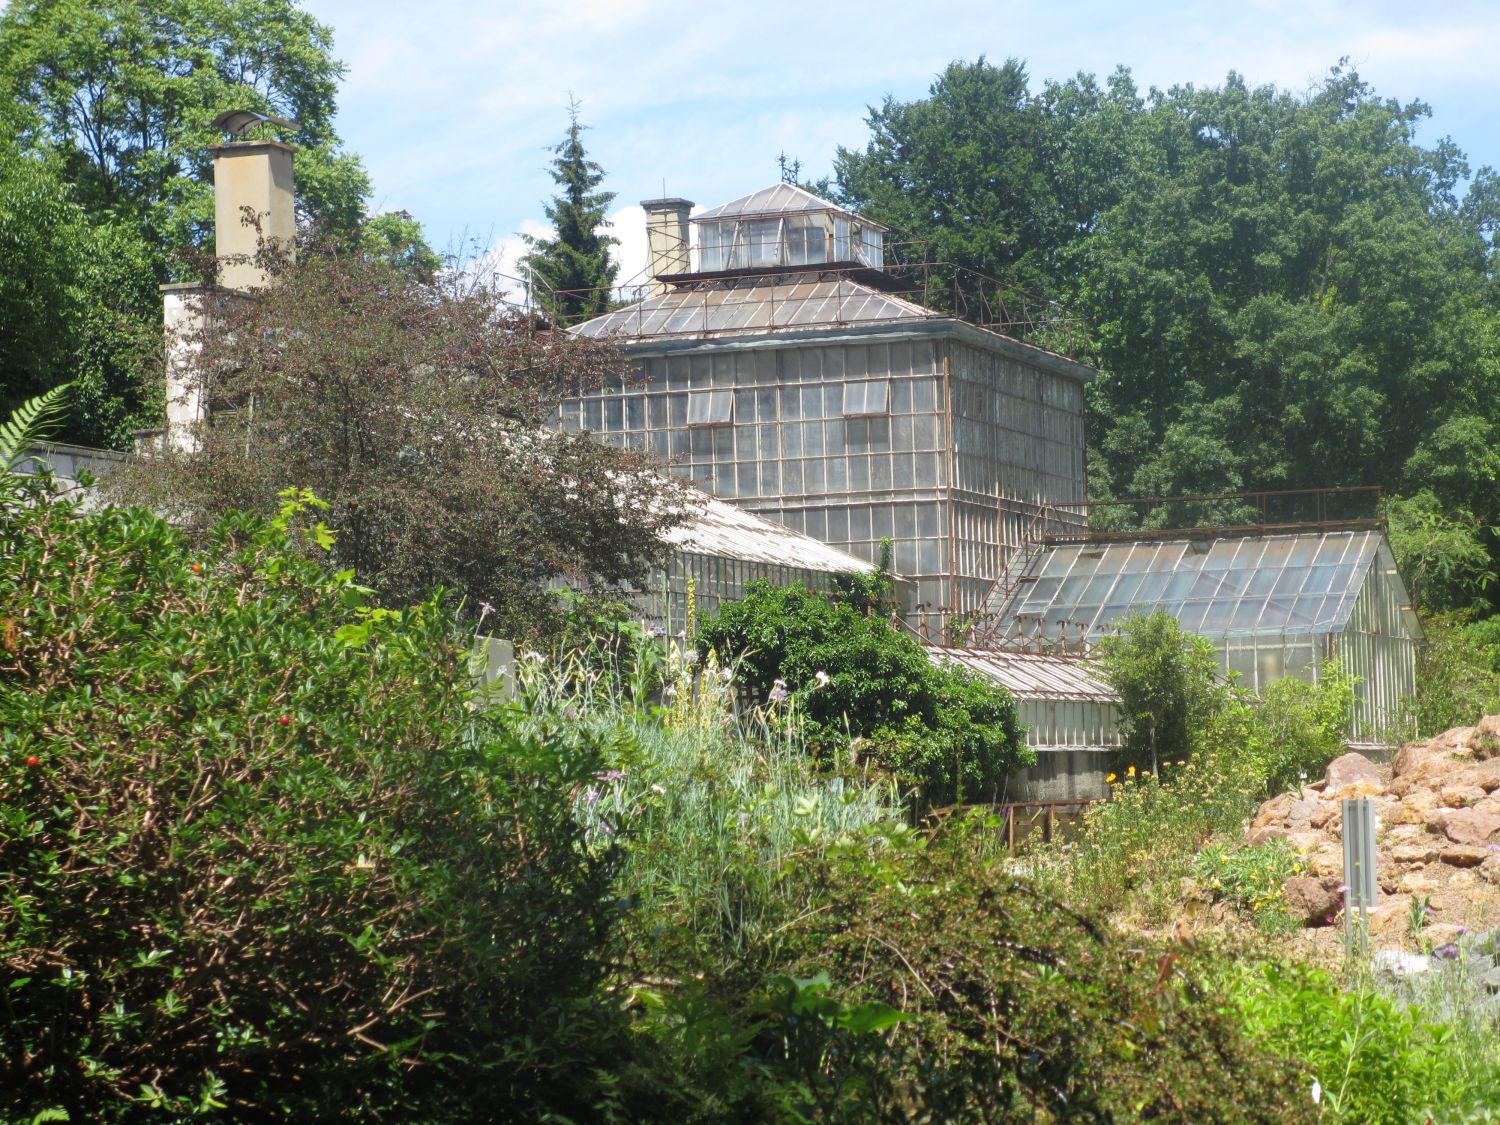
1229 586
749 308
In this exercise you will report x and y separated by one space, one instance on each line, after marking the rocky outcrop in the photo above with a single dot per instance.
1437 807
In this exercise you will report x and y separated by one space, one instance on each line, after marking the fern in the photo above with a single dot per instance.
31 420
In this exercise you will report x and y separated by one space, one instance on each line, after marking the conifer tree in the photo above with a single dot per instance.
571 273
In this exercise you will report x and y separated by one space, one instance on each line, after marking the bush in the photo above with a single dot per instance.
1299 727
940 730
258 858
1251 879
1169 688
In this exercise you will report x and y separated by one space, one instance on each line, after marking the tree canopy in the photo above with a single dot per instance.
105 176
418 408
571 273
1280 290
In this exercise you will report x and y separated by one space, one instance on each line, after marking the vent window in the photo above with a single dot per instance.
862 400
710 408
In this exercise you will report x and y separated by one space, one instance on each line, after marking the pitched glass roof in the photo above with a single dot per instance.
779 199
1233 585
750 308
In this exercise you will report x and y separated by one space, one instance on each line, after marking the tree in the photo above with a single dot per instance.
1169 689
127 92
419 409
940 730
571 273
112 104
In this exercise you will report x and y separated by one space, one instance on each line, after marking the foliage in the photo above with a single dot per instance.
1020 1008
1251 878
28 425
418 410
399 239
1281 290
1299 727
571 273
943 731
259 857
1169 689
1441 552
1458 673
105 177
127 94
1375 1059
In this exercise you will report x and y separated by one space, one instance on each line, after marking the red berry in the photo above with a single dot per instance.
33 761
283 720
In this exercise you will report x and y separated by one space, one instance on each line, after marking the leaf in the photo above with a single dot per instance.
25 427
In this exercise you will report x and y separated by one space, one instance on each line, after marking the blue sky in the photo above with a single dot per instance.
453 105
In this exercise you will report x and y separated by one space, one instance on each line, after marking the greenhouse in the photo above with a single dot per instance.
1272 605
1071 717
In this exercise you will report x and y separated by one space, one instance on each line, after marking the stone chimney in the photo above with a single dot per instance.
666 240
256 175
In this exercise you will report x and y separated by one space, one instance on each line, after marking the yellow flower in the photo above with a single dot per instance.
1130 772
1110 780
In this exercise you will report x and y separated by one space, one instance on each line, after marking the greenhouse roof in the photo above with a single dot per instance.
1032 675
720 529
779 199
1214 586
766 306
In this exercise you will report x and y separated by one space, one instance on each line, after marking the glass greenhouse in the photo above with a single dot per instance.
1272 606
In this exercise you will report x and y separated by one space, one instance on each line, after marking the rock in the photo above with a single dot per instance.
1417 883
1460 796
1350 768
1362 787
1327 862
1443 933
1489 870
1306 842
1406 833
1437 819
1471 826
1399 963
1312 902
1414 854
1464 855
1272 812
1414 806
1387 809
1265 835
1301 811
1415 755
1390 914
1327 816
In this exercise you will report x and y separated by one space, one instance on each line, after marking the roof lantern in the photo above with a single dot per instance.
787 227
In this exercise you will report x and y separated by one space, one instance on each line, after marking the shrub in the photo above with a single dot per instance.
1299 727
1251 879
948 734
257 856
1169 688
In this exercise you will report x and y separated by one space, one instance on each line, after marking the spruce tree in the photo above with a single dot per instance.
571 273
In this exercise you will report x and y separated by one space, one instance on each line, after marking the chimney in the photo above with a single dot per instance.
255 175
666 240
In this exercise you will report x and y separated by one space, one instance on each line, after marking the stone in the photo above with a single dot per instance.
1416 883
1327 816
1326 862
1265 835
1460 796
1390 913
1312 902
1437 819
1471 826
1349 768
1489 870
1414 854
1464 855
1443 933
1414 807
1361 787
1273 811
1300 813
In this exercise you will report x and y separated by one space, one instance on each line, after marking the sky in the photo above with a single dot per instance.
453 106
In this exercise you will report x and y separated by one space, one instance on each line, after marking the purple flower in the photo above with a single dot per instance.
610 775
590 796
778 692
1447 952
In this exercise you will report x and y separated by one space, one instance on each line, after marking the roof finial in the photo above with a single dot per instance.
790 169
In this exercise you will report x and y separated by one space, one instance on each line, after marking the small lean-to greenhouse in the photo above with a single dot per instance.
1071 717
1272 605
721 549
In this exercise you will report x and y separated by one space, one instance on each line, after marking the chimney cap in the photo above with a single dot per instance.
673 204
236 122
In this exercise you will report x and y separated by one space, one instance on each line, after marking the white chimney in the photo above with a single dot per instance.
666 240
251 178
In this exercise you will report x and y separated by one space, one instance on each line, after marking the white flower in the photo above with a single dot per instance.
778 692
1317 1092
822 677
726 674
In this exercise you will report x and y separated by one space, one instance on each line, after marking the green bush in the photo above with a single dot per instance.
1377 1061
258 856
940 730
1299 727
1251 879
1169 688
